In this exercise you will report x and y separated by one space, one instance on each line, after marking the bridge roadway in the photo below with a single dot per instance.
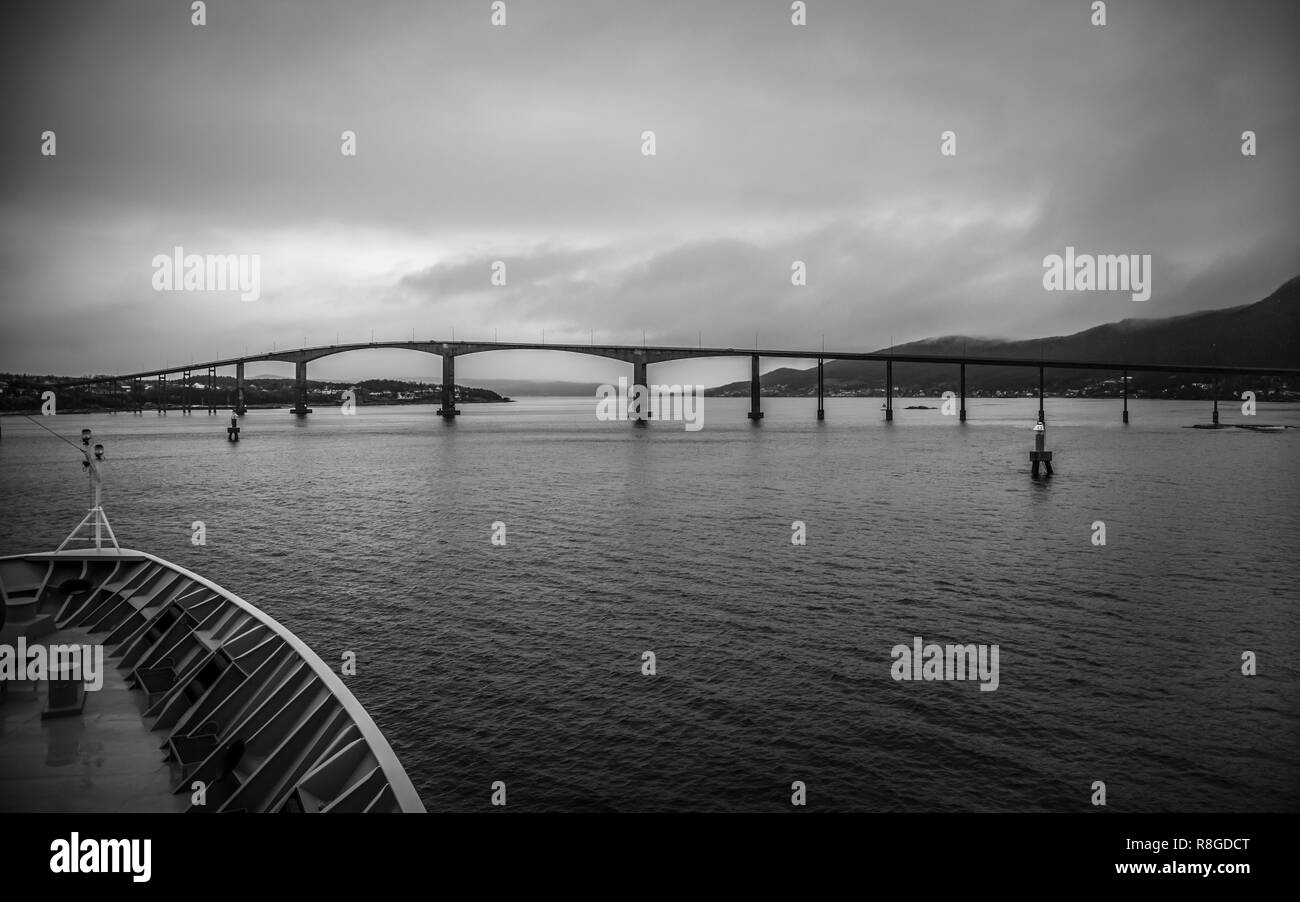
641 357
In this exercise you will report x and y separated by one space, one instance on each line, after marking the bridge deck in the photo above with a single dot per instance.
659 354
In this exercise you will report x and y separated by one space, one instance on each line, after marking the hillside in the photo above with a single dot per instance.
1264 334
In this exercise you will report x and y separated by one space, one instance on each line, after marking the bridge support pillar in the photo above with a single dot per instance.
187 386
162 394
640 377
300 409
889 391
821 390
961 410
755 408
137 396
209 393
1216 412
1126 397
1041 417
240 408
448 407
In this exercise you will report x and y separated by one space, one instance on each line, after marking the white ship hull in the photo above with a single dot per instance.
207 703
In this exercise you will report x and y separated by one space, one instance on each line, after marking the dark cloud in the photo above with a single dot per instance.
522 144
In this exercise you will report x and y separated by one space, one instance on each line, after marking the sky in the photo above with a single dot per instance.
523 143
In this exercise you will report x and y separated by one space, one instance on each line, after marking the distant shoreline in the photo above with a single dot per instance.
1275 405
221 408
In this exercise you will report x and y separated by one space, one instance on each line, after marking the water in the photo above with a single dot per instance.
522 663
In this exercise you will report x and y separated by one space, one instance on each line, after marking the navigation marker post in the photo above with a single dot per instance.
1126 397
1039 455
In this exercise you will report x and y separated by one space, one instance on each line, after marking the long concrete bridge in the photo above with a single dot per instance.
642 357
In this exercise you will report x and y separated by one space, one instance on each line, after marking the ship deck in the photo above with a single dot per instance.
199 688
104 760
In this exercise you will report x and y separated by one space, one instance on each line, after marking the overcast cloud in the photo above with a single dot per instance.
523 144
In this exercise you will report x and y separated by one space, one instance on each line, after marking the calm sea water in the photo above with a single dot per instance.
522 663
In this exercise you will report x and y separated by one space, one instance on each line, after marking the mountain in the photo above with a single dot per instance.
1263 334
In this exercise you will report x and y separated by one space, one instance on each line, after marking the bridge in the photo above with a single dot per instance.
641 358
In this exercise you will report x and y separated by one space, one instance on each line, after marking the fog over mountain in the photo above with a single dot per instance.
1263 334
